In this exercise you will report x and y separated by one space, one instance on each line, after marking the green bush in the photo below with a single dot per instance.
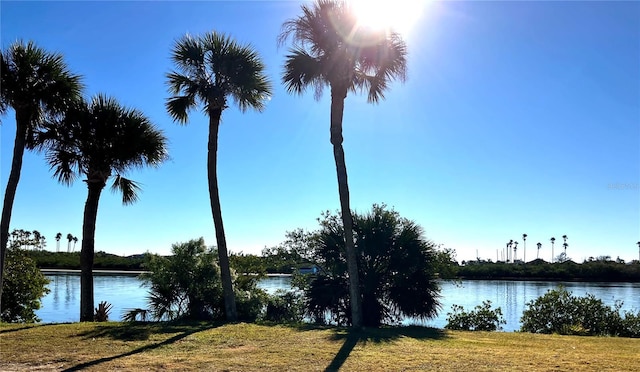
396 269
631 324
285 307
558 311
24 286
187 285
482 318
250 300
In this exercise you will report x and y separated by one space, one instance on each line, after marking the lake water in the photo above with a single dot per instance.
62 304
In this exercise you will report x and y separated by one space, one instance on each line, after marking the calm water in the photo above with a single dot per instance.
62 304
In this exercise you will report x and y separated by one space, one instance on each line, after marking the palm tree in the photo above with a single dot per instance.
75 240
69 240
27 241
539 246
638 243
14 236
515 249
509 245
524 249
34 83
36 239
99 140
553 241
565 245
211 69
58 237
330 49
396 264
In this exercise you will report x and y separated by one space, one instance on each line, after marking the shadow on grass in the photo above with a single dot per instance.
353 337
377 335
140 331
26 327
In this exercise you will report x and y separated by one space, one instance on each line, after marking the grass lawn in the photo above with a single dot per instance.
252 347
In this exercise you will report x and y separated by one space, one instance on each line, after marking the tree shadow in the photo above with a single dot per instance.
377 335
140 331
352 337
26 327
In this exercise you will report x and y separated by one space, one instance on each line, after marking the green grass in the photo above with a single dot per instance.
251 347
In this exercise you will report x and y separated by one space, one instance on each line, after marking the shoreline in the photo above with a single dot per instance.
95 271
116 272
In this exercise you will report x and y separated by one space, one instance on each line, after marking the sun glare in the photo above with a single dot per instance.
398 15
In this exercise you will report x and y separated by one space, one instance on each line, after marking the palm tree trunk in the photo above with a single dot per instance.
87 251
223 255
337 109
10 193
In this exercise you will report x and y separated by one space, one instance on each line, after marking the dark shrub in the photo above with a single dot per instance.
482 318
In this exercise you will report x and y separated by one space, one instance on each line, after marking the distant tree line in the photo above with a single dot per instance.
287 259
600 269
71 260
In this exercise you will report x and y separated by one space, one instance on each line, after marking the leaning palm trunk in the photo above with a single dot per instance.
337 108
10 193
223 256
87 252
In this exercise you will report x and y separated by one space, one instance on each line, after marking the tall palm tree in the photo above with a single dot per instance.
58 237
36 239
330 49
34 83
638 243
565 245
515 250
69 240
213 69
27 241
505 254
99 140
524 248
553 241
75 240
539 246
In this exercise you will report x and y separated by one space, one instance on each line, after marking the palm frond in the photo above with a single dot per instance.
181 83
64 165
100 138
351 57
131 315
179 107
127 187
302 70
379 64
214 66
37 80
4 99
321 28
188 55
239 71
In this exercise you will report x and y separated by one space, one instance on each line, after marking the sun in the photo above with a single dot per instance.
398 15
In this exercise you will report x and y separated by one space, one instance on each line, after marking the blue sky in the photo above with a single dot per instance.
517 117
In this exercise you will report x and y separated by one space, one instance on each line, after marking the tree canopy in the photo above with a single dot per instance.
395 262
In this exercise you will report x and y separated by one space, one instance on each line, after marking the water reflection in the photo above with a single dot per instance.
126 292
